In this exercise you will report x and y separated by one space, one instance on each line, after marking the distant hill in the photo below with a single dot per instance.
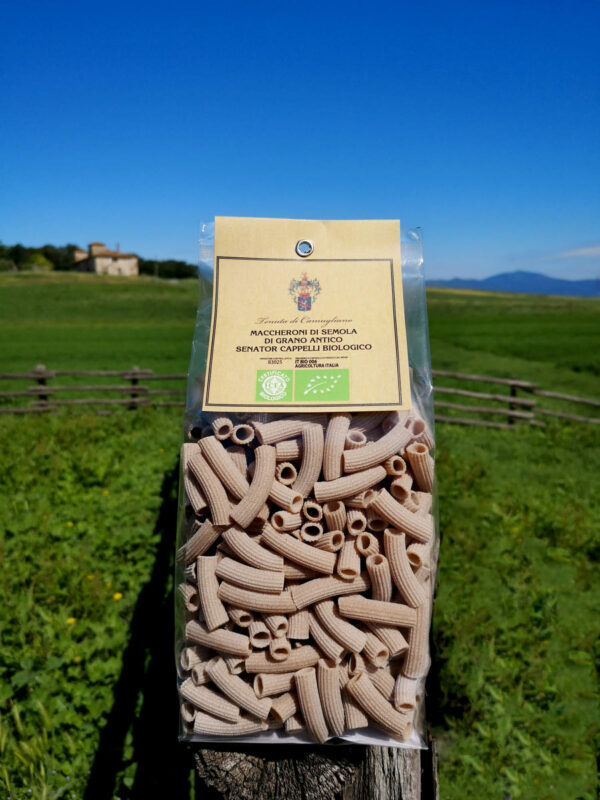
524 283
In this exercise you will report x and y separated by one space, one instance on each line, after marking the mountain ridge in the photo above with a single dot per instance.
523 282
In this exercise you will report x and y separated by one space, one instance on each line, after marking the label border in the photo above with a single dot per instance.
206 404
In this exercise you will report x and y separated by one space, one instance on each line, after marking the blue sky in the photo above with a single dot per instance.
134 122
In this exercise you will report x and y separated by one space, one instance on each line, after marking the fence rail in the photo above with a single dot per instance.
515 409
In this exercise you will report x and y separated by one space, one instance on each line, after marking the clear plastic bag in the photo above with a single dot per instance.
220 698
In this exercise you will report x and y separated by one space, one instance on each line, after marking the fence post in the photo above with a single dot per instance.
134 382
512 406
40 372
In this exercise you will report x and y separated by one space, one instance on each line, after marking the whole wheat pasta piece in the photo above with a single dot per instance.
390 636
356 521
356 664
289 450
311 532
376 452
360 500
285 498
260 635
348 561
235 644
234 664
296 572
348 635
285 706
250 551
312 459
328 681
409 587
401 486
335 515
354 439
417 660
224 468
237 690
368 421
299 625
292 549
209 700
375 651
411 502
194 496
190 573
295 724
375 523
208 725
419 554
270 684
423 574
280 430
238 457
240 616
305 656
278 624
256 601
213 489
310 703
334 445
366 544
284 521
330 648
312 510
188 712
395 465
383 680
332 541
190 656
358 607
222 428
215 613
285 472
381 578
419 527
242 434
198 673
377 708
249 506
354 716
306 594
420 430
395 418
349 485
425 501
202 539
405 694
280 648
249 577
189 595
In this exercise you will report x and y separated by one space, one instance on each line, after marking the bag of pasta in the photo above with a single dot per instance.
307 543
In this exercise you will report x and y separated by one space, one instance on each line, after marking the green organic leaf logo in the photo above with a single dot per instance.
321 384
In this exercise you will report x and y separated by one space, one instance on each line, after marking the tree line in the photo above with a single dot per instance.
19 258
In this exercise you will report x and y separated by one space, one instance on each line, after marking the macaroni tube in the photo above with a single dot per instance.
264 474
334 445
215 613
310 703
349 485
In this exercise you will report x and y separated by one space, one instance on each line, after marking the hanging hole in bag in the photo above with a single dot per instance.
304 247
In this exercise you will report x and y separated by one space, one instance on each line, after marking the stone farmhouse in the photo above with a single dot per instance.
103 261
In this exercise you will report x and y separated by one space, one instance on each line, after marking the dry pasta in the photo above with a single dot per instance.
259 634
213 490
215 613
281 603
310 703
285 497
208 725
409 587
377 452
278 624
334 445
377 708
332 541
208 700
348 635
269 684
335 515
349 485
202 539
358 607
306 594
240 616
223 467
299 552
305 656
280 648
224 641
250 577
237 690
289 450
324 640
312 459
285 472
250 550
417 526
348 561
262 480
299 625
222 428
285 706
330 694
381 578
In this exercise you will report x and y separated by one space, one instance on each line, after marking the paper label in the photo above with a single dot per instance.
317 333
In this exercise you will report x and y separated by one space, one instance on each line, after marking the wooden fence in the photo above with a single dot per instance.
515 402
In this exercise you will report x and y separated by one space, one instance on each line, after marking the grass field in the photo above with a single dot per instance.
86 698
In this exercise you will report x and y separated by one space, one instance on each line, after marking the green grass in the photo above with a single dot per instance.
513 694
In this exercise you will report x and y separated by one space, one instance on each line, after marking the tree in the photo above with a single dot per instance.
36 262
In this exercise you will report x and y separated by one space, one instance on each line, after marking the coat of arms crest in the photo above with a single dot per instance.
304 292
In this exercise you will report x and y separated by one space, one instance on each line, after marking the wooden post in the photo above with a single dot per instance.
134 382
41 374
512 406
294 772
